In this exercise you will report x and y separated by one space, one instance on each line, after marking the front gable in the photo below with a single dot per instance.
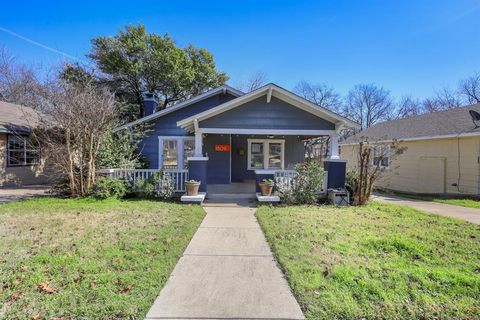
267 108
275 114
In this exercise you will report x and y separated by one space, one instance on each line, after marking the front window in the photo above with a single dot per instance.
256 155
275 155
170 154
265 154
175 151
22 151
188 150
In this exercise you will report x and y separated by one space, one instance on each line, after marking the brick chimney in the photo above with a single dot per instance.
150 103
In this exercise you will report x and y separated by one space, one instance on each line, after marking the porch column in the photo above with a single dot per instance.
336 167
197 170
198 144
334 147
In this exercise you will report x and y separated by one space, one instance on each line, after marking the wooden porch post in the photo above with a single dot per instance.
198 140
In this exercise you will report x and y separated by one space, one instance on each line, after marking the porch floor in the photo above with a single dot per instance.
232 188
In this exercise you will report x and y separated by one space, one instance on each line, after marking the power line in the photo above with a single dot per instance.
39 44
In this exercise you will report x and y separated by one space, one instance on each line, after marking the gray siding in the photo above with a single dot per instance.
167 126
258 114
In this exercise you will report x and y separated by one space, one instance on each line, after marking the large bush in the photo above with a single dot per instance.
160 185
305 187
107 187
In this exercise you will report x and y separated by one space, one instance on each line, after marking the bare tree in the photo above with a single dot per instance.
320 94
373 159
408 107
18 83
444 99
255 81
470 88
73 120
448 99
368 104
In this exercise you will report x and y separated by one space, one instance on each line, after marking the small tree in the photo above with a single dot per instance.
73 121
373 159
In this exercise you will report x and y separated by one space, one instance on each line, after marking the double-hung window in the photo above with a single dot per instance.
381 155
266 154
174 151
21 151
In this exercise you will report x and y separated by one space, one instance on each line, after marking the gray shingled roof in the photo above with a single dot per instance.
15 118
453 121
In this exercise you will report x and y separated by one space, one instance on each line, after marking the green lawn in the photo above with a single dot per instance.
376 262
88 259
456 202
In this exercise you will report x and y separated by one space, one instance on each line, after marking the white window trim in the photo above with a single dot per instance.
265 152
388 156
180 146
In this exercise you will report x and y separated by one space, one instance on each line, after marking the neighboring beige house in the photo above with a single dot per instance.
20 160
442 152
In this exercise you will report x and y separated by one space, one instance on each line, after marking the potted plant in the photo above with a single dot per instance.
266 187
192 187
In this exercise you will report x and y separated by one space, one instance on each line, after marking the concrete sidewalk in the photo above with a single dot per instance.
468 214
226 272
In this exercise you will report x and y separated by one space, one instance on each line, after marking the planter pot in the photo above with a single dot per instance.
265 188
192 188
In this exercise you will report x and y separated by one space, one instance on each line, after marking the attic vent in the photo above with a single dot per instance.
475 117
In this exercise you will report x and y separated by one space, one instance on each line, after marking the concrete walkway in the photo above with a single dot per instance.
468 214
226 272
22 193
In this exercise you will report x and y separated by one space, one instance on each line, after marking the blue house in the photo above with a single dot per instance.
224 136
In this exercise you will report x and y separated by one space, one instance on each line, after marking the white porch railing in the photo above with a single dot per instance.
287 176
179 176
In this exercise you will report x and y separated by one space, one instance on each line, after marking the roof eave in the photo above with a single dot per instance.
224 88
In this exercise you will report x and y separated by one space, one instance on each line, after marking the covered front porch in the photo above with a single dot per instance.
232 162
259 135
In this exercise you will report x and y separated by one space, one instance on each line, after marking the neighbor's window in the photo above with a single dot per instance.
381 154
265 154
21 151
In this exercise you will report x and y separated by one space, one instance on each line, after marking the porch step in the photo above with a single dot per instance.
230 196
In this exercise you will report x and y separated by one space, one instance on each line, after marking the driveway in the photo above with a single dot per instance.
21 193
226 272
468 214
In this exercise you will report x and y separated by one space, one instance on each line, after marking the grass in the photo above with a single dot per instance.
456 202
376 262
88 259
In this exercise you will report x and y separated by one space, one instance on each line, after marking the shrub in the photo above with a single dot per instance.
160 185
286 190
351 181
107 187
305 187
309 182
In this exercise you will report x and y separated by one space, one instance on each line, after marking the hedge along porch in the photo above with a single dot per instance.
252 136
